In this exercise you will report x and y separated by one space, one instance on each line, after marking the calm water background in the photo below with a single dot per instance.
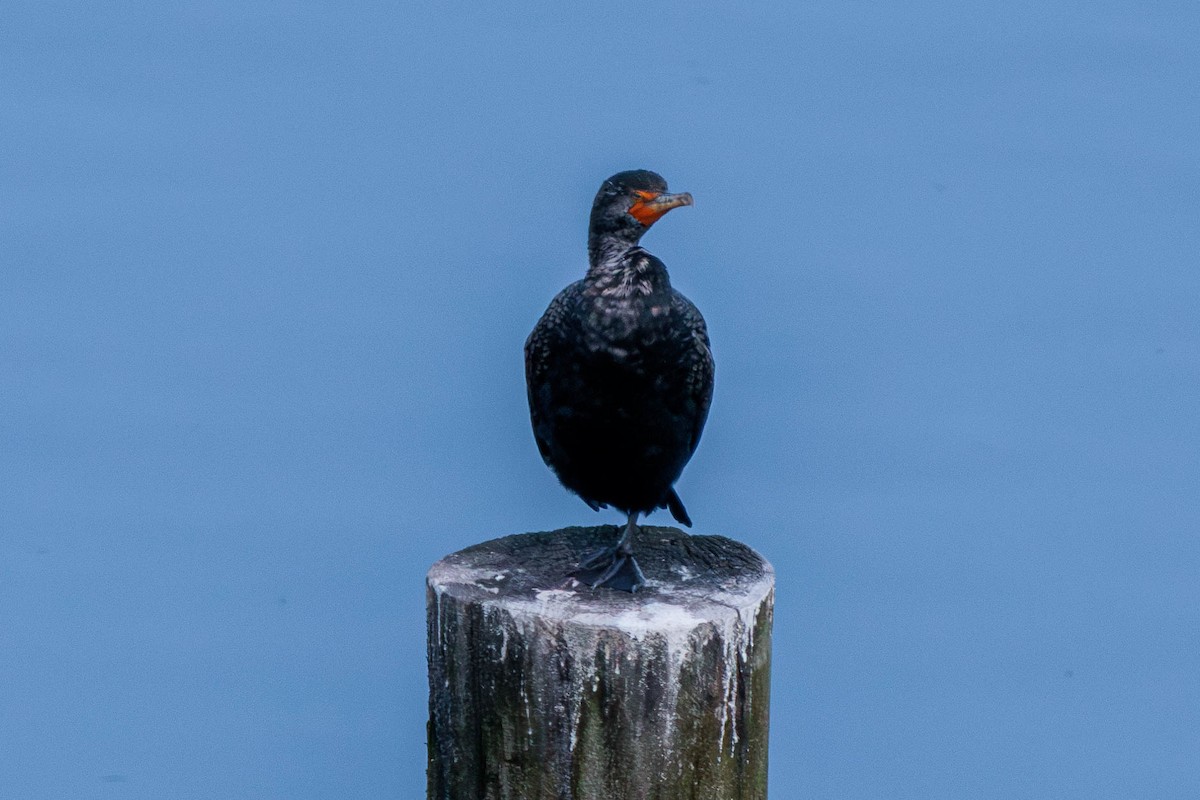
266 272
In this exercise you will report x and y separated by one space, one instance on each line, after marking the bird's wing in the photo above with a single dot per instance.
697 361
540 348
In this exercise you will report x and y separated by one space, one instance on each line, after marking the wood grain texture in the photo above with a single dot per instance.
543 688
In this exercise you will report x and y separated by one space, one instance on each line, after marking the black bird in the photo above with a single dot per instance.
620 374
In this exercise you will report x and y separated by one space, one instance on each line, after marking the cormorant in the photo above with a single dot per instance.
620 374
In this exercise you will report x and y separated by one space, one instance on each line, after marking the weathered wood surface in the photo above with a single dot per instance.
543 689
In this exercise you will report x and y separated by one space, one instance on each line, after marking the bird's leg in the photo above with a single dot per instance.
625 543
605 556
614 566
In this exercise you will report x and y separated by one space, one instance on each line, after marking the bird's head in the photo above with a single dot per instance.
630 202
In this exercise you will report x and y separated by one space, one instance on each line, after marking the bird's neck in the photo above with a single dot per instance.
608 253
622 269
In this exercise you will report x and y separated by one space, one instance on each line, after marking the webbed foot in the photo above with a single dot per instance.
617 571
614 567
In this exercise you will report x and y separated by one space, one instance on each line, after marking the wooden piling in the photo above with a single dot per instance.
544 689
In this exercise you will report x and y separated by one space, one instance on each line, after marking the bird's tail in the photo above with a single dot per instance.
677 510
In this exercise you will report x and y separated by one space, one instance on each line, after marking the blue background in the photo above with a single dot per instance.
266 274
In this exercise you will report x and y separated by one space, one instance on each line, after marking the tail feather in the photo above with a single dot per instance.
677 510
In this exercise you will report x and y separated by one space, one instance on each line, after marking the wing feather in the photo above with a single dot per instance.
697 361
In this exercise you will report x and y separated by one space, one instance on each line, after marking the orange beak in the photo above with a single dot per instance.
650 206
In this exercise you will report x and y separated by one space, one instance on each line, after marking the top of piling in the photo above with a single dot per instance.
689 579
